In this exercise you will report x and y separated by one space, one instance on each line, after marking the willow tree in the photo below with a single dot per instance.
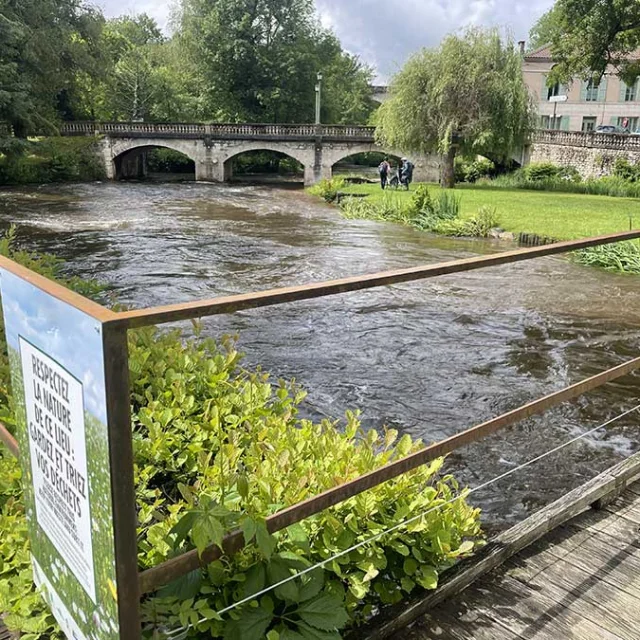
466 97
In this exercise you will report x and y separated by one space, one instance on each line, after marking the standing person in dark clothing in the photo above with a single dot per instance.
406 173
383 169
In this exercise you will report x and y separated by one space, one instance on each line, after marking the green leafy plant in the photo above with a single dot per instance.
623 257
328 189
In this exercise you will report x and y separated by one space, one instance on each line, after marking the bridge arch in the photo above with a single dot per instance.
125 154
334 156
302 153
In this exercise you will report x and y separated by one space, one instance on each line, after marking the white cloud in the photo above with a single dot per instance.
385 32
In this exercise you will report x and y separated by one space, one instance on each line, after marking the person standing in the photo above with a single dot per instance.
383 169
406 173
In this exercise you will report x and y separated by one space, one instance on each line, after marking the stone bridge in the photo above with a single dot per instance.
212 147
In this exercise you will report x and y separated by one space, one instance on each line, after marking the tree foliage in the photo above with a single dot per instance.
258 60
467 96
589 36
45 47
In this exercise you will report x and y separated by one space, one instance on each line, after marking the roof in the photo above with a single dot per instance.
542 54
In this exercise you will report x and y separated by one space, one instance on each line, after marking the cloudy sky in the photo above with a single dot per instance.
385 32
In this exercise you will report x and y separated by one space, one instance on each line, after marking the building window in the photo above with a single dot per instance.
630 124
592 91
630 93
589 123
549 122
554 90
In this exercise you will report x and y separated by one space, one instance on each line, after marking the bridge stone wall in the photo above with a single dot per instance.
592 154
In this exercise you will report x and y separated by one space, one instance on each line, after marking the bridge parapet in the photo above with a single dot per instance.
589 139
222 131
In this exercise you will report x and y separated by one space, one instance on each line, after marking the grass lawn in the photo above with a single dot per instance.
555 215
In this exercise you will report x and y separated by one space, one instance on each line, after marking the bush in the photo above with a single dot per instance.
328 189
623 257
389 208
626 171
479 225
218 446
539 171
53 160
473 170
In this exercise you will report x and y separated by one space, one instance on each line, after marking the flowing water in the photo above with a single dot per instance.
428 358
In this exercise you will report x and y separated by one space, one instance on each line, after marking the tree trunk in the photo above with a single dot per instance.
448 176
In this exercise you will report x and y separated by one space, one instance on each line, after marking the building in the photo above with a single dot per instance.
587 104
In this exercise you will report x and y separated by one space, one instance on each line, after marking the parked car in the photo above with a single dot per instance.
611 128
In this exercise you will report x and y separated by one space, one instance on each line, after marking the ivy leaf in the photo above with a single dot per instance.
184 588
251 626
326 612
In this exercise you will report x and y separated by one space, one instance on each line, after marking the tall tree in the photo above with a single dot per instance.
258 59
45 44
467 96
589 36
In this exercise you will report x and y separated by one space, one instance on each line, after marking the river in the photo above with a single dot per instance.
429 358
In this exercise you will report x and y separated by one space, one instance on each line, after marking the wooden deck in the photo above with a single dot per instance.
579 582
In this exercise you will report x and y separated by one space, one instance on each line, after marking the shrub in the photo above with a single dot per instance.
328 189
626 171
389 208
219 446
53 160
623 257
473 170
479 225
538 171
168 160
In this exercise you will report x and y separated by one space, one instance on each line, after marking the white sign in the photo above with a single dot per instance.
56 429
558 99
60 612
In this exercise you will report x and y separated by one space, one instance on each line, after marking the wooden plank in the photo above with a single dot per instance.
453 627
116 362
230 304
526 612
571 587
172 569
613 525
593 553
56 290
505 546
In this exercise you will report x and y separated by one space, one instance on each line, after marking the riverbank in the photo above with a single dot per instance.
564 216
50 160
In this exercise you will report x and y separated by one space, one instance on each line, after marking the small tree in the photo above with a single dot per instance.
468 96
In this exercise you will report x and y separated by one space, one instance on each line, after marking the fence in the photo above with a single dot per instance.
115 325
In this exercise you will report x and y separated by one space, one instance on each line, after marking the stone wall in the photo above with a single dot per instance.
590 162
